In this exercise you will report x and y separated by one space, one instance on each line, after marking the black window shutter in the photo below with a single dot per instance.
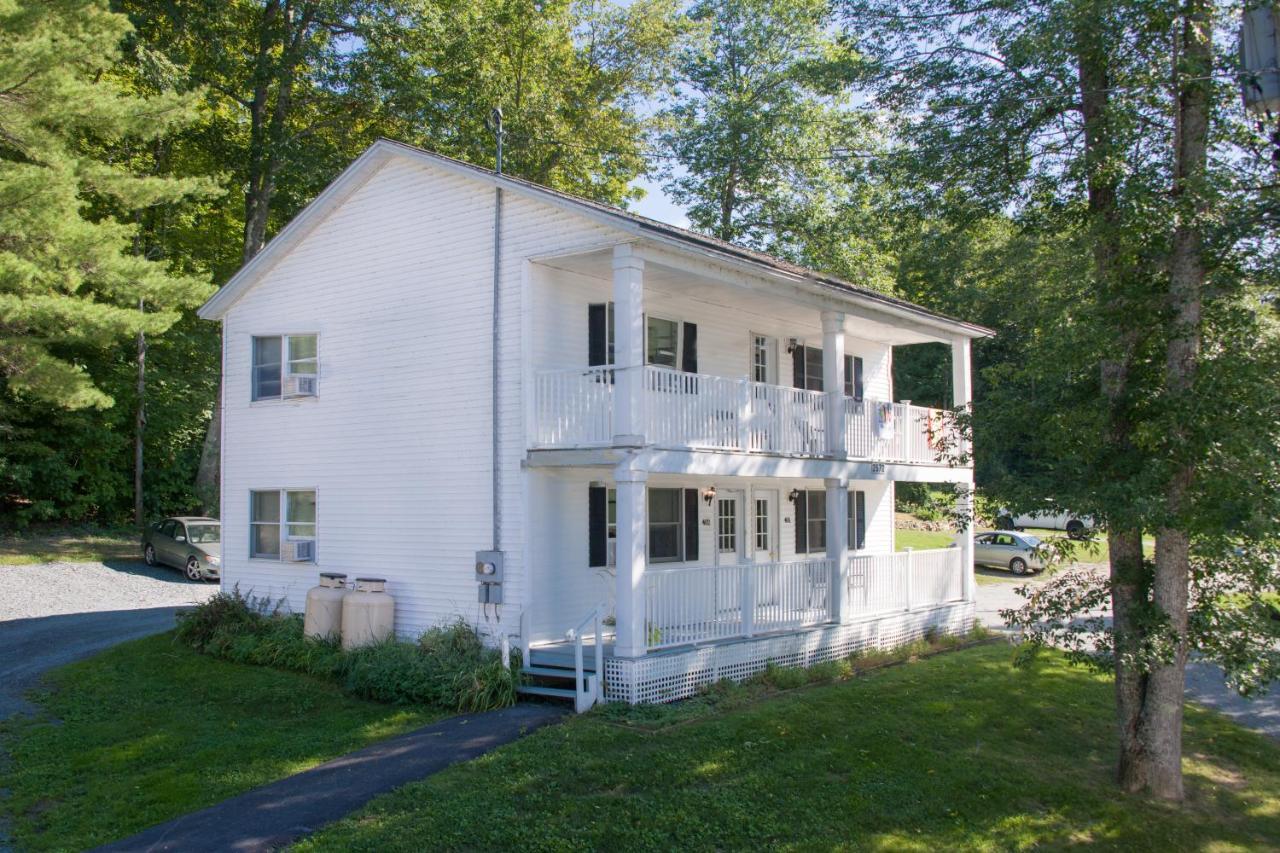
597 334
598 526
857 377
802 523
689 359
691 524
797 367
860 518
848 376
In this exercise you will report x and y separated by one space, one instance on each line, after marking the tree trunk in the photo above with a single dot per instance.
282 32
139 428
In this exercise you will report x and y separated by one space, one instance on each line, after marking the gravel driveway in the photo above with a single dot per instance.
55 613
49 589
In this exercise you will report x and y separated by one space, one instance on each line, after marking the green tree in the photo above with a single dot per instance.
765 148
71 282
1109 124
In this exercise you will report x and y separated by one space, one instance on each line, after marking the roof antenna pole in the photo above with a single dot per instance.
495 375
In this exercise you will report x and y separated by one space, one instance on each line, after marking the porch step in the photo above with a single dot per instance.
552 671
554 692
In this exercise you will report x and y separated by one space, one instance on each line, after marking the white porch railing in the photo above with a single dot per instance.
574 408
706 603
905 580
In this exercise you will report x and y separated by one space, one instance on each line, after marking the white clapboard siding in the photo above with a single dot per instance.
397 283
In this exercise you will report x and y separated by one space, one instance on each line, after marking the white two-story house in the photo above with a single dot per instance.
555 419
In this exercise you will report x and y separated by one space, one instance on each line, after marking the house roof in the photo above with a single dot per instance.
642 226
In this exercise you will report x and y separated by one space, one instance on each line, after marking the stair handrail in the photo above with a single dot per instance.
588 693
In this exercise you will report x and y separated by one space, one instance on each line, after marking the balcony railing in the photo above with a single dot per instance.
574 408
904 580
706 603
703 604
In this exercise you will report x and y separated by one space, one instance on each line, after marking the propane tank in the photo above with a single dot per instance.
323 619
368 614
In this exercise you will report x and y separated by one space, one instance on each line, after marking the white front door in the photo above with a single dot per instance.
730 547
763 526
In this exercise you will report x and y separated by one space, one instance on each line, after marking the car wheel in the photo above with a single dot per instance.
1075 529
1004 522
193 570
149 555
1018 566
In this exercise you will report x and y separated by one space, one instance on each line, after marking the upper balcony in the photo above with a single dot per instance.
632 346
695 411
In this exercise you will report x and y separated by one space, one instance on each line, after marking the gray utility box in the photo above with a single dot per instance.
489 576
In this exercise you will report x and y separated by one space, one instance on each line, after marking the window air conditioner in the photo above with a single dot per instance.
299 386
300 550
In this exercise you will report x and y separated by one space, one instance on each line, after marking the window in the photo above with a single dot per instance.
662 342
762 525
271 366
762 359
816 520
297 508
666 525
853 376
167 528
857 520
813 368
727 525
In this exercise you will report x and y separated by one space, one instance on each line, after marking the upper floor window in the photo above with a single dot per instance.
807 371
284 366
282 524
668 343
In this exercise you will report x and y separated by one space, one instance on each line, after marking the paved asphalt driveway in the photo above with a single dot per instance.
1205 684
55 613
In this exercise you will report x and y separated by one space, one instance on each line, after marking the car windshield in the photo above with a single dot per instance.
204 534
1032 541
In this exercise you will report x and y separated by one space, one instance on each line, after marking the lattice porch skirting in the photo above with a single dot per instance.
680 673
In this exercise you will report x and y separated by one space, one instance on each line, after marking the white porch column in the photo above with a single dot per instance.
631 549
838 546
833 380
628 346
962 398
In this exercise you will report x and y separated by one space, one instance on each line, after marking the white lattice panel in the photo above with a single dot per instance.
678 674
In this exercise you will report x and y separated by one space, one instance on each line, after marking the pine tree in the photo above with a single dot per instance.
71 281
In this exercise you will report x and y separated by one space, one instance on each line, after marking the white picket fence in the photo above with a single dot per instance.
905 580
706 603
574 408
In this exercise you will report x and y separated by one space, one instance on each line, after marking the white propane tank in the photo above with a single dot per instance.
368 614
323 619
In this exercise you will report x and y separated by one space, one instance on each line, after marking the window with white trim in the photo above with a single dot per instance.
762 525
662 342
816 519
727 525
280 515
276 358
666 525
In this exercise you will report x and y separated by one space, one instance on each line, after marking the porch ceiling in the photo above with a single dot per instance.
665 274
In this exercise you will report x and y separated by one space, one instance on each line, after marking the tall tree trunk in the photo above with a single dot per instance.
284 32
139 428
1193 63
1129 576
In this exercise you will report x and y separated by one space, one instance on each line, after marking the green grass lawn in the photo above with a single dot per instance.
921 540
150 730
957 751
45 545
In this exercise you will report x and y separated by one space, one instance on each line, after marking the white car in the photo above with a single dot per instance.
1077 527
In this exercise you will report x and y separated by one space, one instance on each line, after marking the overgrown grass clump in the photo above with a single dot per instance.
448 667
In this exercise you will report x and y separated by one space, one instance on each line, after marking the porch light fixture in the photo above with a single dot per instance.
793 344
708 494
794 496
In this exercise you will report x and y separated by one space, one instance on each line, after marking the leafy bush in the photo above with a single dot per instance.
447 667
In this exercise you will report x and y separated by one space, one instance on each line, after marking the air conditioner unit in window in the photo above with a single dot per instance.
299 386
300 550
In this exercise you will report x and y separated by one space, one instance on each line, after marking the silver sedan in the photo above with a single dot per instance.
1008 549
